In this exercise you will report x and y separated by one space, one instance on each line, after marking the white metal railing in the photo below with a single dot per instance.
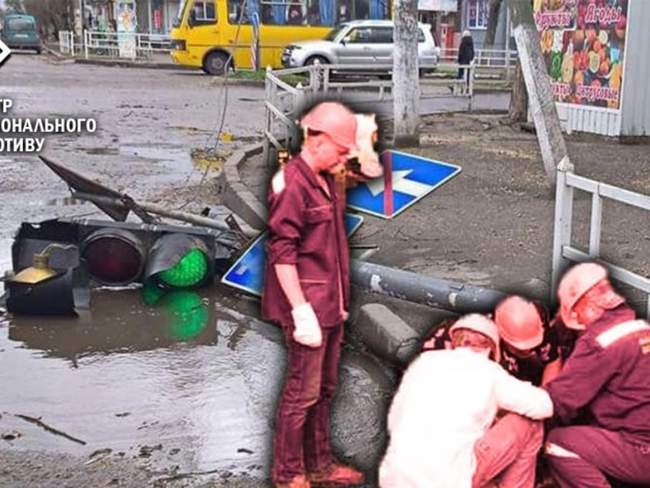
124 45
486 60
563 251
490 58
113 44
66 42
282 100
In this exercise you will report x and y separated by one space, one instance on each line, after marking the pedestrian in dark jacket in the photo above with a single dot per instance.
465 54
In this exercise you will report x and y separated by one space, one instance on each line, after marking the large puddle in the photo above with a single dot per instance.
187 381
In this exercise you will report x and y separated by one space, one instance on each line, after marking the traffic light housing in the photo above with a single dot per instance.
115 254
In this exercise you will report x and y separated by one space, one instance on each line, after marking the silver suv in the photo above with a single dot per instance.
360 42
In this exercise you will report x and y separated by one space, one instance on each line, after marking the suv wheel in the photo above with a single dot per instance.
216 63
312 60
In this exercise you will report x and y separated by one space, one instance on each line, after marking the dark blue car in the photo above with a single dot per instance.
20 32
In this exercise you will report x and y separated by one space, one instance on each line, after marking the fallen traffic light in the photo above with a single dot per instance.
122 253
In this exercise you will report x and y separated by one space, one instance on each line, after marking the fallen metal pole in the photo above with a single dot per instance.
164 212
449 295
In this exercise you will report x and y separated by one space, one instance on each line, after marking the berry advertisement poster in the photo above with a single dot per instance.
583 42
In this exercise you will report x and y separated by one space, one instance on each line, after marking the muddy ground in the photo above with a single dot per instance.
492 225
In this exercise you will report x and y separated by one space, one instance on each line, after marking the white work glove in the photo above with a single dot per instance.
306 328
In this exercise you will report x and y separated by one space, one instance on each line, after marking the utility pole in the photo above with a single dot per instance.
406 87
538 86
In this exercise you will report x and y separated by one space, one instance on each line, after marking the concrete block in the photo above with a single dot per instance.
386 334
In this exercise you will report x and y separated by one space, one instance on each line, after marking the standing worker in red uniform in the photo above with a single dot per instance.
306 291
606 377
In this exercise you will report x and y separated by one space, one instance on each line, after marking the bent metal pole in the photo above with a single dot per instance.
449 295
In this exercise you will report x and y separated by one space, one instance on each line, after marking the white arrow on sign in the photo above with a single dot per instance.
4 52
400 184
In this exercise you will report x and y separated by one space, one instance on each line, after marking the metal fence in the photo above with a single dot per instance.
113 44
564 252
487 61
283 99
66 43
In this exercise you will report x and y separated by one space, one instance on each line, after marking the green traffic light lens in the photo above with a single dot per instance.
189 271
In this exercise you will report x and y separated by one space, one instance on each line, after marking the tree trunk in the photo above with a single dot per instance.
494 9
519 99
406 87
538 86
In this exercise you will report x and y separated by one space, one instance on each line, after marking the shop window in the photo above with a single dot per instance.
477 14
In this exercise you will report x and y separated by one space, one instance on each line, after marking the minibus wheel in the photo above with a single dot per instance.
215 63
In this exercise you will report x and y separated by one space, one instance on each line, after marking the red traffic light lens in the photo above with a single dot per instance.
113 256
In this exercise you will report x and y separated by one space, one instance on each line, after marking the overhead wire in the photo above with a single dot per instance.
224 110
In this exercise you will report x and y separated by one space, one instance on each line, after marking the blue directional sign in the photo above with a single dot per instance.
410 179
248 271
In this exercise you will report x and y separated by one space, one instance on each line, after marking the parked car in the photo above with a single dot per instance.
360 42
19 32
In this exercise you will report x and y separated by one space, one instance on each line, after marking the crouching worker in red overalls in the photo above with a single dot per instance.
306 290
606 381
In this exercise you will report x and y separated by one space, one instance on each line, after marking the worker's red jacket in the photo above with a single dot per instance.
306 228
608 374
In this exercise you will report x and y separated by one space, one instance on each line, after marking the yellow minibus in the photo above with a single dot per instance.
207 32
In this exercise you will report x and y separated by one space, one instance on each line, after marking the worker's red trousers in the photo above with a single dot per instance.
581 456
302 431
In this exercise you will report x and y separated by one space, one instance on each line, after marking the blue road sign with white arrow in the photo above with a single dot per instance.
248 271
407 179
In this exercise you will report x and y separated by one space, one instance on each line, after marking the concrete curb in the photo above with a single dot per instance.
233 190
127 64
220 81
386 334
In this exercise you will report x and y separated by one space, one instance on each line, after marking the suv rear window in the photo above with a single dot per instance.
20 25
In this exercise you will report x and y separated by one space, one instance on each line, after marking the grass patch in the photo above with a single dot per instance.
261 74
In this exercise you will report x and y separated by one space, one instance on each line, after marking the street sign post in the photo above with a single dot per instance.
248 271
407 179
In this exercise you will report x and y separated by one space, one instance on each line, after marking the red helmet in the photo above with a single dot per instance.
519 323
576 283
481 324
335 120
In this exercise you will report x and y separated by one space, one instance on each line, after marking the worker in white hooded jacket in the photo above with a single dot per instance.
442 427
